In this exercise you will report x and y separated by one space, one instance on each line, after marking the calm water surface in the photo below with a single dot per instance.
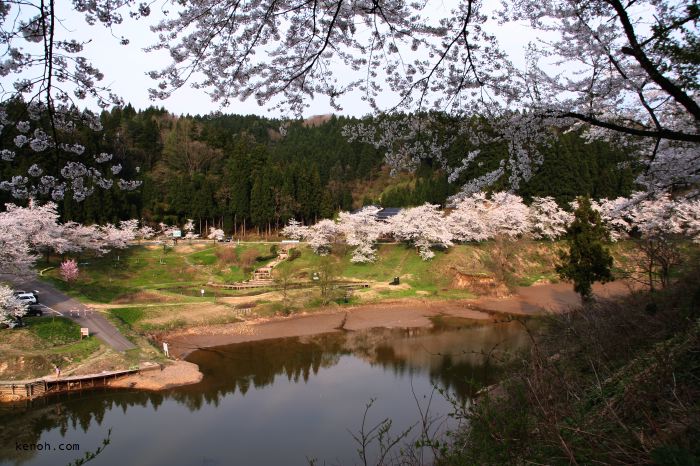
275 402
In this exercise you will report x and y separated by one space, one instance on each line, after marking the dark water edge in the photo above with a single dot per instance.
271 402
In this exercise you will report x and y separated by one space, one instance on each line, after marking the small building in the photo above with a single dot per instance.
384 213
387 212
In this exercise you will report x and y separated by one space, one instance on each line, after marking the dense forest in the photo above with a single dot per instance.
250 172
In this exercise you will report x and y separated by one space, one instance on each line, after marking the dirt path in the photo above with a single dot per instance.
408 313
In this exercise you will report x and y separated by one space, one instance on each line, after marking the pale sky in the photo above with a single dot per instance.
125 67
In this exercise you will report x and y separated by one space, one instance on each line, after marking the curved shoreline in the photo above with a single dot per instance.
409 313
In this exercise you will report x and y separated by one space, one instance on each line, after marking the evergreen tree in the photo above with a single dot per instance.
588 260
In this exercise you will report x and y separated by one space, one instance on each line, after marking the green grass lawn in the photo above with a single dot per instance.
178 274
204 257
177 271
128 315
392 260
54 330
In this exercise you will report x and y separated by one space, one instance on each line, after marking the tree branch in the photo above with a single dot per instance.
658 133
635 50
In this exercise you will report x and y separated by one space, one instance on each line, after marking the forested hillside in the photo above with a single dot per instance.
249 172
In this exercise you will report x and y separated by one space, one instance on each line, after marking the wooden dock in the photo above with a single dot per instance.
15 390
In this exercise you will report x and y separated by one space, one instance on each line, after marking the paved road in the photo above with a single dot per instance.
61 304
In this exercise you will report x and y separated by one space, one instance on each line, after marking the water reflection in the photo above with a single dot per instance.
302 393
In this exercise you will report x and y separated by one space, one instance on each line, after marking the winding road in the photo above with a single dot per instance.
58 303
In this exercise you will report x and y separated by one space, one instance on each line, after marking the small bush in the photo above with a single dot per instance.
248 258
228 256
294 253
265 258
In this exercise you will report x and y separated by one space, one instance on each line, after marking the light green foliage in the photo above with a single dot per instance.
128 315
204 257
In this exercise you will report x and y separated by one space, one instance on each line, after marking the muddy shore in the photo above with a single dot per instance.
408 313
172 375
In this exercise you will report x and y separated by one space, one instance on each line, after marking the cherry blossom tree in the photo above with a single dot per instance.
38 108
468 222
477 217
119 237
655 216
145 232
81 238
167 231
69 270
11 308
659 228
295 230
322 235
16 256
688 216
39 226
35 229
216 234
547 219
501 216
622 70
361 230
507 215
189 228
422 226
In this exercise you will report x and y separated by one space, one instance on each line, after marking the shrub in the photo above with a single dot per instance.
227 256
294 253
248 258
607 383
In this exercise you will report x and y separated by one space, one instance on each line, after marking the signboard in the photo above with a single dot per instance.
177 233
84 332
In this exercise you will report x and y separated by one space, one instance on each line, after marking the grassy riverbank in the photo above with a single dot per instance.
149 291
153 274
612 383
44 343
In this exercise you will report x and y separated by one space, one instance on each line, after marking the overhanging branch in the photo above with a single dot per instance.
662 133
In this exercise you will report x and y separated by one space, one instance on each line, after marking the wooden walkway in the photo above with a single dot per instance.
14 390
244 285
